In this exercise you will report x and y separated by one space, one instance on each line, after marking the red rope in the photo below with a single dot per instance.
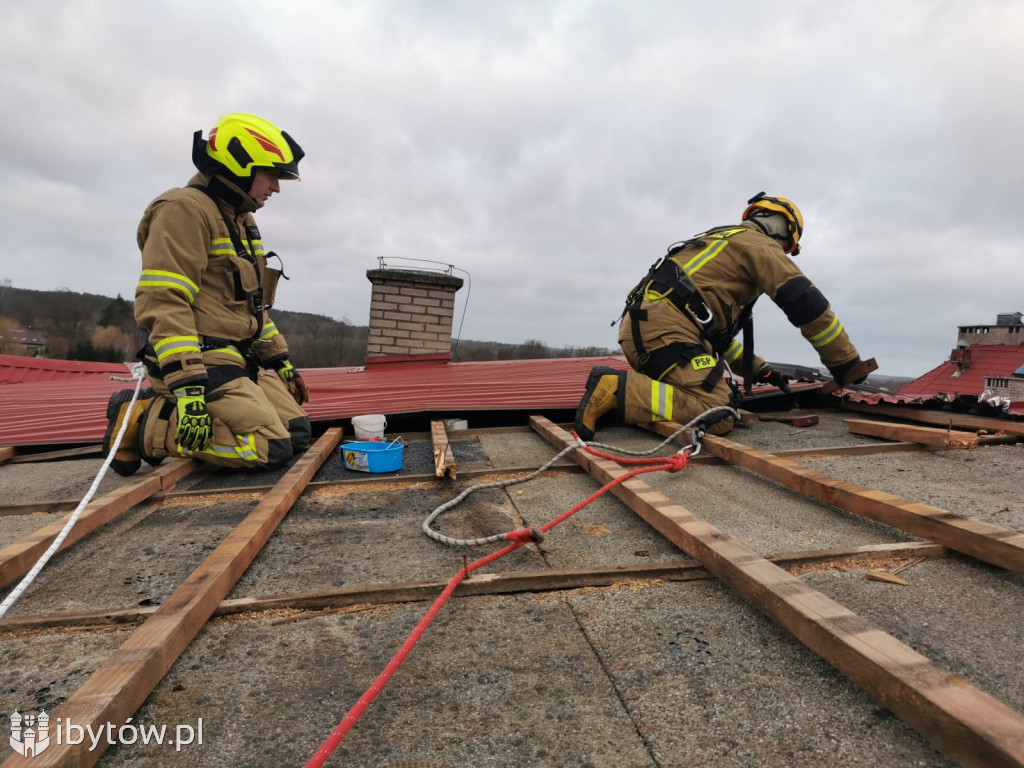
670 464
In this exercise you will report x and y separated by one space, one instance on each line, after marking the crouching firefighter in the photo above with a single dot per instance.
678 330
203 297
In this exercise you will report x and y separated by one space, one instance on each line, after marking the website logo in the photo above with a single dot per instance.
30 735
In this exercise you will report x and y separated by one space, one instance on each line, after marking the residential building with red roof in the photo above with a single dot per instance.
987 365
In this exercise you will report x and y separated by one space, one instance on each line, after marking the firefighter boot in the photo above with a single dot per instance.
601 396
126 460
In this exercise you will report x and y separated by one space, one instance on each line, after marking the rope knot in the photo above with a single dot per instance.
524 535
677 461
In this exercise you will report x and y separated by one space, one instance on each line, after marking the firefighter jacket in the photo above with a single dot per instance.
198 297
730 268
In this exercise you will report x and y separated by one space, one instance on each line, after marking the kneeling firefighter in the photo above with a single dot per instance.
203 297
680 322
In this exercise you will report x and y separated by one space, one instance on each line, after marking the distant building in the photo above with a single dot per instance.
18 341
986 367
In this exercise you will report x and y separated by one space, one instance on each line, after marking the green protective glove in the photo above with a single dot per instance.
293 380
195 425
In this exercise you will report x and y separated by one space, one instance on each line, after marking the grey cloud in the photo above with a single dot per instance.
551 149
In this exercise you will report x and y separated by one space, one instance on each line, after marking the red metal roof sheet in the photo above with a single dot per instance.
874 398
997 360
71 407
74 410
15 369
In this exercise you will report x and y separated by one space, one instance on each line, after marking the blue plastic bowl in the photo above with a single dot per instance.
372 456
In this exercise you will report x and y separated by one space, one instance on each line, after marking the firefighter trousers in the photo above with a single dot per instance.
256 424
678 396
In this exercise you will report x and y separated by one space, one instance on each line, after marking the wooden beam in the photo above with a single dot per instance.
62 505
965 723
16 559
860 370
87 450
6 453
794 418
940 418
995 545
123 682
39 507
444 459
943 438
483 584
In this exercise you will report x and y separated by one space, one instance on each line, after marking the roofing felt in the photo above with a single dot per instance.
637 673
987 361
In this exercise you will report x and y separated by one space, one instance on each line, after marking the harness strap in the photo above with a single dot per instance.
656 363
748 354
256 295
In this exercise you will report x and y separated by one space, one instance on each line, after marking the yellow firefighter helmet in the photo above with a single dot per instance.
239 143
795 221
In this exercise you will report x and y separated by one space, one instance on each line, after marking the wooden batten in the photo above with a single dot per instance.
123 682
963 722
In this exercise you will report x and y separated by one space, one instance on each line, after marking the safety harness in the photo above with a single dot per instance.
667 279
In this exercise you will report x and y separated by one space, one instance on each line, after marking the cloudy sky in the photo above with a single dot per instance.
548 149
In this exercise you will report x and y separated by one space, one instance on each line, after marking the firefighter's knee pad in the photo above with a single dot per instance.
279 452
301 432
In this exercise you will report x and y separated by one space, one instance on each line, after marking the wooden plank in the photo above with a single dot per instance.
991 543
944 438
795 419
965 723
62 505
121 684
6 453
88 450
39 507
863 368
940 418
481 584
854 450
444 459
17 558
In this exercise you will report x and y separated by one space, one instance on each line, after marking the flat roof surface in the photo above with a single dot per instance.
641 673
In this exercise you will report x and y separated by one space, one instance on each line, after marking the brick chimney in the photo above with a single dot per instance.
410 315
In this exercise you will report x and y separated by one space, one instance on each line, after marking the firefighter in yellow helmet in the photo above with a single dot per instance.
678 330
203 297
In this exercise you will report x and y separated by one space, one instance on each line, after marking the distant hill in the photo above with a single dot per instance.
86 326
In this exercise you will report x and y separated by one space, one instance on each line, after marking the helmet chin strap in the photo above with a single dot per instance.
225 186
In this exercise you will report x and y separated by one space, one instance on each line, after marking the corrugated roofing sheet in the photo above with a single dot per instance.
61 402
73 409
997 360
15 369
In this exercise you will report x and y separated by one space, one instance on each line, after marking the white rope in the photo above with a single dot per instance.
693 448
138 374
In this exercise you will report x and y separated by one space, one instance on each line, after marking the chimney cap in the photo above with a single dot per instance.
415 276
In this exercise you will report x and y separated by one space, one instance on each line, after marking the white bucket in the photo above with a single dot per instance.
371 426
